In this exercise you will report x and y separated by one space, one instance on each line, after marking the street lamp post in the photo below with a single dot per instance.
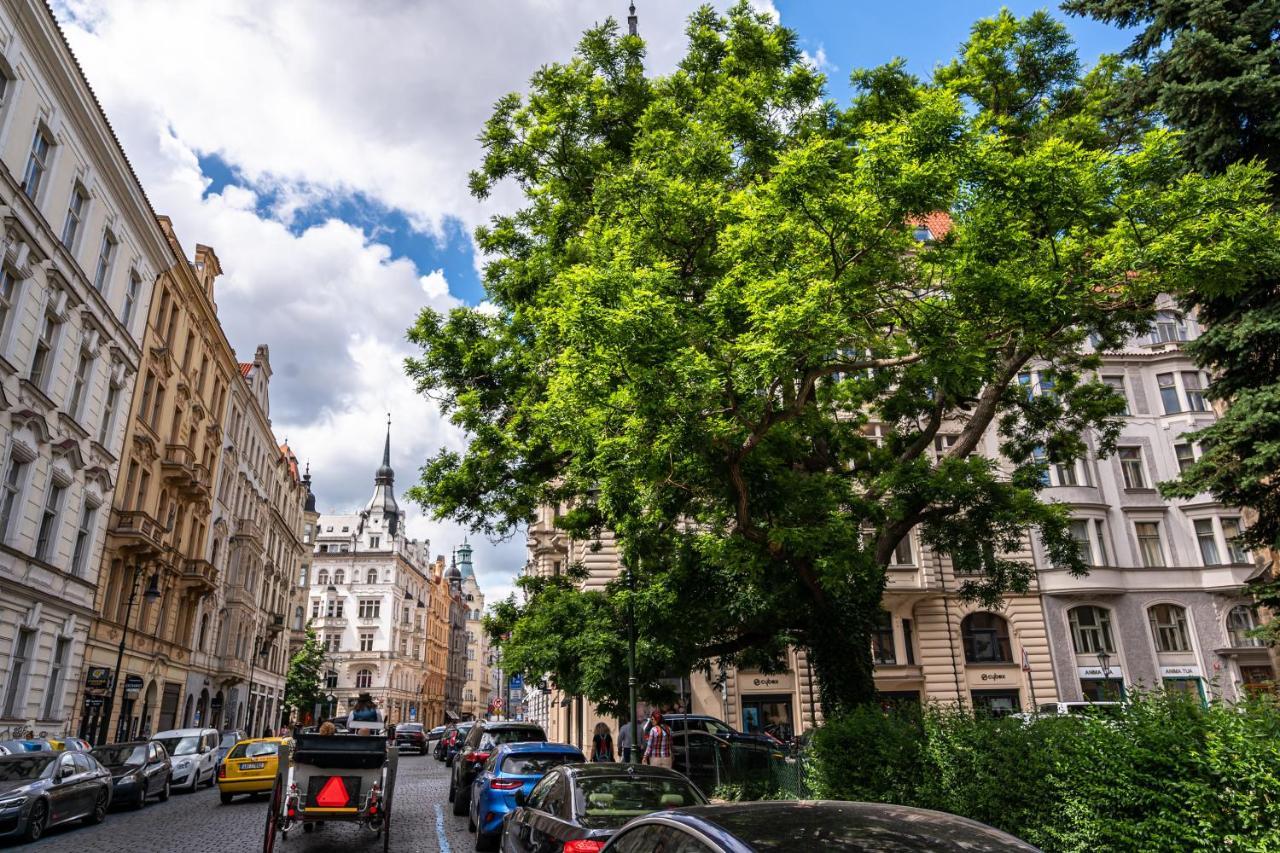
631 662
152 593
1104 664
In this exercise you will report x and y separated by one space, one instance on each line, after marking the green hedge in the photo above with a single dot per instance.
1165 774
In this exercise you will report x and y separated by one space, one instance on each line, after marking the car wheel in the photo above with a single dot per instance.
99 812
164 792
487 841
471 815
140 801
213 774
453 792
226 799
461 802
36 822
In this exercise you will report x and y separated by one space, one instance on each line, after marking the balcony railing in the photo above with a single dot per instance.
138 529
201 574
248 528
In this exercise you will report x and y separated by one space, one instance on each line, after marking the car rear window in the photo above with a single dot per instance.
611 801
409 727
491 738
254 750
537 764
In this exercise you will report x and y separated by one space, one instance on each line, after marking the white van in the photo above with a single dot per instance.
1058 709
194 753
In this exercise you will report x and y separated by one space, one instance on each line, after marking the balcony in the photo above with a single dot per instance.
275 624
200 575
136 531
248 528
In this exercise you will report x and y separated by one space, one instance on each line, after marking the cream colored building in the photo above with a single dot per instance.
80 252
475 690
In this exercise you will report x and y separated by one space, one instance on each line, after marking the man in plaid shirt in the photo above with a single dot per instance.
657 747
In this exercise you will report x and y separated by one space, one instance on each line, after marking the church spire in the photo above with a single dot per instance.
633 21
384 492
384 472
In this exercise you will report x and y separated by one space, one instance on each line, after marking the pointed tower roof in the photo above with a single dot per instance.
453 576
633 21
311 496
384 493
464 561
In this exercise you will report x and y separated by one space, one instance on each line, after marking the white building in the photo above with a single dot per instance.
81 250
369 594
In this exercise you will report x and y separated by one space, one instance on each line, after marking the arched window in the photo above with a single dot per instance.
372 577
322 577
204 632
1091 630
364 679
1169 628
986 638
339 577
1242 619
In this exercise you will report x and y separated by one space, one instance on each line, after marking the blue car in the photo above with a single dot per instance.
511 769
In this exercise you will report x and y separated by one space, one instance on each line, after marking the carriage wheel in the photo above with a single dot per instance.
273 819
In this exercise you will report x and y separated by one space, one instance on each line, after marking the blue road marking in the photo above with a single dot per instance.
444 844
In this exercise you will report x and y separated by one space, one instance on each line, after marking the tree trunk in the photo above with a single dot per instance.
838 641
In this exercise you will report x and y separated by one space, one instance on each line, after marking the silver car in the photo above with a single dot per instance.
194 753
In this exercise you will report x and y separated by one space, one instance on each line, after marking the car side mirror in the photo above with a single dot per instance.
521 799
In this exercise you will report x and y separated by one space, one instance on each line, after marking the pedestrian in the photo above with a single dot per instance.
602 744
657 747
625 748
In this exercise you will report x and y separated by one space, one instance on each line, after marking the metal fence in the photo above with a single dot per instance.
746 772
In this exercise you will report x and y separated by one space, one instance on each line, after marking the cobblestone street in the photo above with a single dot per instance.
198 823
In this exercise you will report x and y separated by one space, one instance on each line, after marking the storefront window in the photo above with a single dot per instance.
1192 687
996 703
770 714
1102 689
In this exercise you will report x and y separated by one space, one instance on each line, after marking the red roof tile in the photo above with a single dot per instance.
939 223
245 368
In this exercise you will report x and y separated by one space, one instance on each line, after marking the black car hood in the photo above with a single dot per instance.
18 786
119 770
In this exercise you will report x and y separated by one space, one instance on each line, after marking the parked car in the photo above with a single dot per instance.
21 746
74 744
139 770
453 741
710 760
411 736
705 723
1102 709
436 733
512 769
194 753
249 768
483 738
44 788
228 739
814 825
579 807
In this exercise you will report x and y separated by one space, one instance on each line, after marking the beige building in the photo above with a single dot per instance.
79 253
475 689
436 673
156 572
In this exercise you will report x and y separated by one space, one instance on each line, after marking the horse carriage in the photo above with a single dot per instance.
347 778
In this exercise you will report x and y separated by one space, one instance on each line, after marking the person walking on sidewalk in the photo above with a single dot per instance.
602 744
625 750
657 745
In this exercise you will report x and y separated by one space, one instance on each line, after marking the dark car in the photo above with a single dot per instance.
411 736
813 825
43 789
483 738
436 733
704 723
581 806
139 770
453 740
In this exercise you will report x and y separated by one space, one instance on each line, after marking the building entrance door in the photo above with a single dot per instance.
774 714
169 706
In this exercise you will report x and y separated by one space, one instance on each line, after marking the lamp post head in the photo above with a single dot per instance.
1104 663
153 587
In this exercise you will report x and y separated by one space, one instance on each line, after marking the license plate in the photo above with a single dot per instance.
252 765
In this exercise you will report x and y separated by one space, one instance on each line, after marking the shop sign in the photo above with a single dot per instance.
215 704
93 702
1095 672
1191 671
132 685
992 677
762 682
97 680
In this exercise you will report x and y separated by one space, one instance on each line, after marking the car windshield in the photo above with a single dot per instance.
611 801
538 763
180 745
253 750
229 740
26 767
114 756
409 727
491 739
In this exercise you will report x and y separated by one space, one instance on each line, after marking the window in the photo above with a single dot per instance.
375 541
882 649
1208 542
18 670
75 216
45 345
8 290
331 680
131 297
1100 543
1169 628
53 692
49 521
1116 384
333 642
1168 393
1091 630
1186 456
986 638
372 576
1041 459
1192 384
37 163
902 555
156 405
1079 529
315 608
1149 547
1241 620
364 679
339 577
83 369
148 391
1231 533
370 608
322 577
1131 467
84 534
10 498
106 255
366 641
1169 326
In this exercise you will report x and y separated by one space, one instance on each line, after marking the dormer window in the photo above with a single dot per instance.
922 234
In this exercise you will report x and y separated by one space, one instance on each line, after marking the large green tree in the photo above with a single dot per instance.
717 331
302 683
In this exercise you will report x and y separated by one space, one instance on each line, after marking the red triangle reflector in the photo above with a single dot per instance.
333 795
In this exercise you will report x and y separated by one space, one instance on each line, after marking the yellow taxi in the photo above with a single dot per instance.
249 768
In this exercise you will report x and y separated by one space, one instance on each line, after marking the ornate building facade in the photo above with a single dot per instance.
475 688
437 670
79 254
369 600
456 676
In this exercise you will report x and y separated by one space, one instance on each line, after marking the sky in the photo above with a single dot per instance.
322 148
